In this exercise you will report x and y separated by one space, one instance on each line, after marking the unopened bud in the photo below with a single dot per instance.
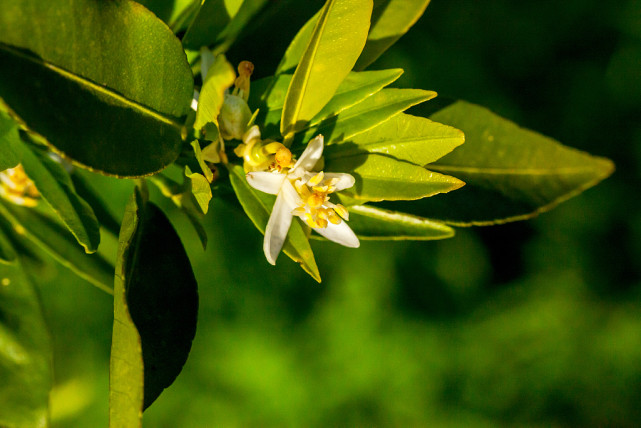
233 118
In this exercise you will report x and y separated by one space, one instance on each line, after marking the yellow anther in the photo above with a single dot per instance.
315 180
298 211
321 222
271 148
310 220
284 157
316 200
341 211
245 70
333 217
240 150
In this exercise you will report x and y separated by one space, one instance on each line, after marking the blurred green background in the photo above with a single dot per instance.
535 323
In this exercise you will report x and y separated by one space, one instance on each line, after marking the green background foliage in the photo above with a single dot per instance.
531 323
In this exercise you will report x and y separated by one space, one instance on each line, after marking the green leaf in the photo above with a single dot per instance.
199 188
56 241
96 202
375 223
511 173
7 253
9 142
211 20
391 19
220 76
25 352
403 137
380 177
155 311
367 114
355 88
220 23
258 206
55 187
337 40
104 90
167 10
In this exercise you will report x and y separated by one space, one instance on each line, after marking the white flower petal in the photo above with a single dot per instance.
345 181
311 155
277 228
339 233
268 182
290 194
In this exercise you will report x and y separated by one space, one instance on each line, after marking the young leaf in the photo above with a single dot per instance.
355 88
380 177
404 137
258 206
390 20
209 175
199 188
335 44
220 76
375 223
104 90
55 186
25 354
511 173
155 311
367 114
56 241
9 142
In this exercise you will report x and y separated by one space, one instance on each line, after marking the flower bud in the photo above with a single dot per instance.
233 118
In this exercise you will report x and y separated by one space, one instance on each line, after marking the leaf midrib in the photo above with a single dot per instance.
511 171
83 81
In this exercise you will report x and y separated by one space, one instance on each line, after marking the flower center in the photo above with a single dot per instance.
315 208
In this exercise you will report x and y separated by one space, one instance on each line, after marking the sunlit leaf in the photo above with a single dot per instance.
58 242
376 223
403 137
155 311
209 175
9 142
390 20
199 188
511 173
220 76
379 177
55 187
25 351
105 90
366 115
354 89
337 40
258 206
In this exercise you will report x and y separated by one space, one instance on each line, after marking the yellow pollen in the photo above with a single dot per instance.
299 211
310 220
316 200
333 217
321 222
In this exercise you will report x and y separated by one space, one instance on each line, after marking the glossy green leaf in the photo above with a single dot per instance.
380 177
55 187
355 88
258 206
391 19
167 10
219 22
199 188
511 173
25 352
7 253
375 223
403 137
58 242
155 311
335 44
220 76
104 90
9 142
367 114
98 205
